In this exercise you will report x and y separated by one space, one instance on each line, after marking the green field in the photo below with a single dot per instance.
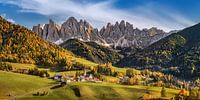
85 62
20 85
52 72
24 86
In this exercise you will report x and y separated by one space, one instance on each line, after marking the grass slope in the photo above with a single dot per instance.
19 84
100 91
23 86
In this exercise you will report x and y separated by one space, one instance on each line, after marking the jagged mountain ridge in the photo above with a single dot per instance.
121 34
70 29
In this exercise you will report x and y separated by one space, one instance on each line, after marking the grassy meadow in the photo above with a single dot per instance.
24 86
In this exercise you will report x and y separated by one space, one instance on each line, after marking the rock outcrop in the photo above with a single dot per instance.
49 32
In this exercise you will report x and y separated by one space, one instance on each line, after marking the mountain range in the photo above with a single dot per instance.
121 34
176 53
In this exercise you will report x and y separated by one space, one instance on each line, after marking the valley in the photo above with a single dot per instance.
78 62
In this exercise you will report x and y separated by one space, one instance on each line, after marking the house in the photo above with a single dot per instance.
124 80
81 78
70 78
68 81
58 77
23 70
89 77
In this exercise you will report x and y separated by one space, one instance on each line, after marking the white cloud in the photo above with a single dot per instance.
99 14
8 19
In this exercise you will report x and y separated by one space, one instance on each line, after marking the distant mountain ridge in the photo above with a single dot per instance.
121 34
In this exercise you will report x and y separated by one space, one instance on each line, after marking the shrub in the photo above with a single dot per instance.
5 66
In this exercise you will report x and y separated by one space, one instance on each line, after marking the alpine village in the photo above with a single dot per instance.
73 60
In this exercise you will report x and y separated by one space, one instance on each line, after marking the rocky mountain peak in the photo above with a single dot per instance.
124 35
51 21
122 25
120 34
108 25
71 19
71 28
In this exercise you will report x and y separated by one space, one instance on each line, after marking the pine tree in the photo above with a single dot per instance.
163 92
192 93
198 95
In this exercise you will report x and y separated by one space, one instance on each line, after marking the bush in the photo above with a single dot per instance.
5 66
133 81
36 72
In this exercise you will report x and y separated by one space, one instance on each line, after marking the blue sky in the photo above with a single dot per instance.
164 14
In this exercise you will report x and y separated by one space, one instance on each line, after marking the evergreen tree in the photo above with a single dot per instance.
198 95
163 92
192 93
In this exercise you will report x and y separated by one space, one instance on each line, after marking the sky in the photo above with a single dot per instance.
164 14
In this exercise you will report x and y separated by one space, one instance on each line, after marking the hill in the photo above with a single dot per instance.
179 50
91 51
18 44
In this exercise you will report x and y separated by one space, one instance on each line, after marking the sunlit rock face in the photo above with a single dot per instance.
121 34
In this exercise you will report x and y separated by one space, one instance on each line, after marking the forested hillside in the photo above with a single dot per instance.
179 50
18 44
92 51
